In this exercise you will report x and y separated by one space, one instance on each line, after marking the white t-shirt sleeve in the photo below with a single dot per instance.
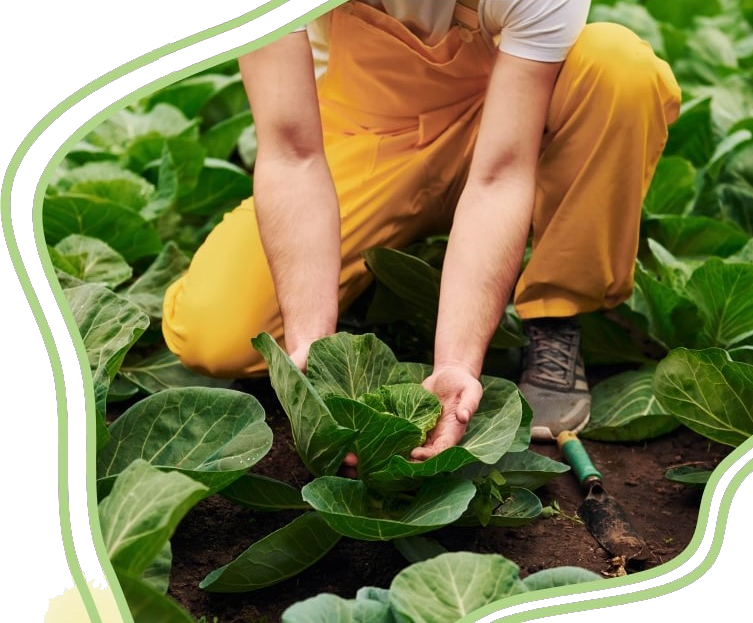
539 30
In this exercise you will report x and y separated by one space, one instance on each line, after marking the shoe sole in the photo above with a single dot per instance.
543 434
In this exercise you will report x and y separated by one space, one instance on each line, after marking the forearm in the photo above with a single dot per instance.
294 195
299 224
493 216
484 254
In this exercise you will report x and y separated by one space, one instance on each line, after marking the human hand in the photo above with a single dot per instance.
300 356
460 392
349 467
298 346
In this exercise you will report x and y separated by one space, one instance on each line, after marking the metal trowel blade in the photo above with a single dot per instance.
609 525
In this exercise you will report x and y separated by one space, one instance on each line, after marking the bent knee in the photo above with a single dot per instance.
625 67
617 55
207 342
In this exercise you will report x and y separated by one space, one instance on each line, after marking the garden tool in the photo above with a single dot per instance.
604 517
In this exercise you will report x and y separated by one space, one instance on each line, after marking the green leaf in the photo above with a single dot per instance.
687 475
320 441
176 173
148 605
526 469
605 341
453 585
121 389
264 494
624 408
744 255
489 435
418 548
646 427
673 187
91 261
708 392
409 372
559 576
141 514
248 146
191 94
109 326
518 507
682 13
721 290
145 151
746 7
122 129
221 139
672 318
672 271
148 291
416 284
229 100
731 97
379 435
221 186
496 392
726 150
743 354
500 395
349 365
409 401
157 574
83 153
715 183
695 235
107 180
278 556
692 136
163 370
118 226
735 188
211 435
347 507
675 42
326 608
375 593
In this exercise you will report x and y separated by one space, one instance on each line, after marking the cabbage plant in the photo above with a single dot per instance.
356 397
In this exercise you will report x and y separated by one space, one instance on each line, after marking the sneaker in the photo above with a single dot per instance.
553 380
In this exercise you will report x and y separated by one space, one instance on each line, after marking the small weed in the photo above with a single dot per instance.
554 509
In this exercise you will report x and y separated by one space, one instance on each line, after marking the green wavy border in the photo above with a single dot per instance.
642 594
77 574
36 309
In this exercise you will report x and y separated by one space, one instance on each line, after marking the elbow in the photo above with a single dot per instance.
504 175
290 141
503 167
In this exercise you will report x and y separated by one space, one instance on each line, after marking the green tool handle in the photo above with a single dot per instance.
577 457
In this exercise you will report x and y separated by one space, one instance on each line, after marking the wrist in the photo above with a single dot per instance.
448 363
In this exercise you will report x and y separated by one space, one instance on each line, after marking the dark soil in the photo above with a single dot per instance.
663 512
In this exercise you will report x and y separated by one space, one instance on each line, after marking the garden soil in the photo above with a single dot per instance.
663 512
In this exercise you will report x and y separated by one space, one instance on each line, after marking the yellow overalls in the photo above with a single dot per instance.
399 120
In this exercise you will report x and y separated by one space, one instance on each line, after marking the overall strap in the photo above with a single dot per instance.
466 13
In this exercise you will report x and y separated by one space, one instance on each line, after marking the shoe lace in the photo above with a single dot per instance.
553 353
